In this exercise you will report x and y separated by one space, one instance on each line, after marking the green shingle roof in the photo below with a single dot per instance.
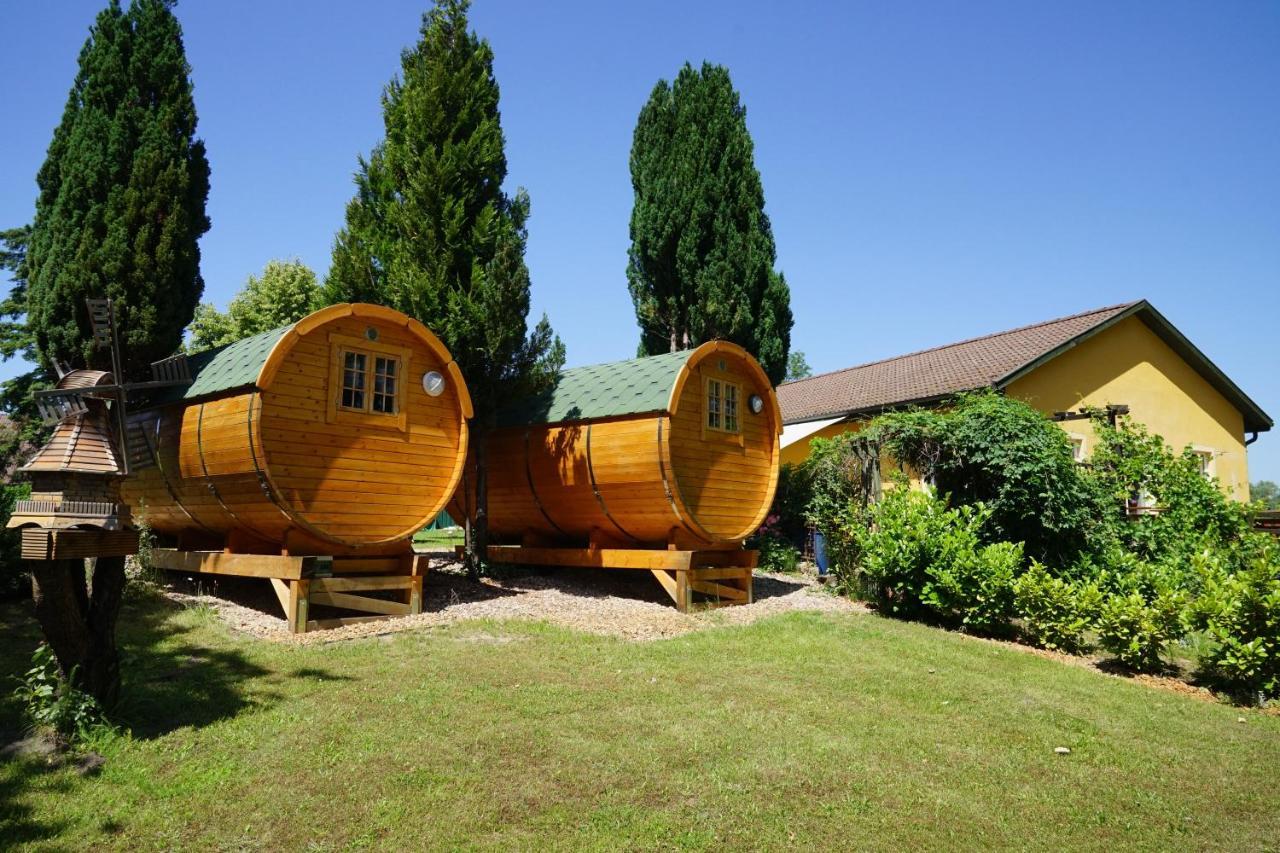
630 387
234 365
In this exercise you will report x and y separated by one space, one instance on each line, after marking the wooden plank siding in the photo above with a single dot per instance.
276 463
639 481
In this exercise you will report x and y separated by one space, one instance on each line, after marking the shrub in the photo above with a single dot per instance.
974 584
53 703
790 502
777 553
917 555
1056 613
1136 629
1129 462
1006 455
1240 614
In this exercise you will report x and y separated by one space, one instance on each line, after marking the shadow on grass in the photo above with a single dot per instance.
170 680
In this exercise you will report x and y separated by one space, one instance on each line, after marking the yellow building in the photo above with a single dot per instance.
1124 355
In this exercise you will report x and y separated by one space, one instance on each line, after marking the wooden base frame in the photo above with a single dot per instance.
40 543
300 582
695 580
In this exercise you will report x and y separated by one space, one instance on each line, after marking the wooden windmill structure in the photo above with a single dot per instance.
75 510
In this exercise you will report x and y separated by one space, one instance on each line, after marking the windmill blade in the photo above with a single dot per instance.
140 445
173 370
102 319
57 406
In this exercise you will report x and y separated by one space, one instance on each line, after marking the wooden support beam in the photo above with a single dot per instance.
360 602
321 624
282 594
719 590
360 584
684 595
243 565
668 583
299 592
596 558
415 595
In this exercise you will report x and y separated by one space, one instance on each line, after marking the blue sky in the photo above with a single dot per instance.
934 171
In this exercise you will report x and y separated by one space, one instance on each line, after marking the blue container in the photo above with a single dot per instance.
820 552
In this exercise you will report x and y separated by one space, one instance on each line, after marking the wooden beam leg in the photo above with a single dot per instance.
415 594
282 594
668 583
299 599
684 594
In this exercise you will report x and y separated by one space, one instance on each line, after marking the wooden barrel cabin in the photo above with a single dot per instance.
651 463
343 433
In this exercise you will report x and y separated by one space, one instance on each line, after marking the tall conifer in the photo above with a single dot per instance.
431 232
121 195
701 264
121 205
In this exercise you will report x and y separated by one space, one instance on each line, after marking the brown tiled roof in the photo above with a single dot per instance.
933 373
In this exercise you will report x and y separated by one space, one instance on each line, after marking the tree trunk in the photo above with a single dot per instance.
80 626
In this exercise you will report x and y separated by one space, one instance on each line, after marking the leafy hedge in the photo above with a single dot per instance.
1017 537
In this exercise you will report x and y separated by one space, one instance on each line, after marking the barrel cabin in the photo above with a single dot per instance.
314 449
665 463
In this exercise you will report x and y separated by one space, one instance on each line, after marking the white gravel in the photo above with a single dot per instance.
623 604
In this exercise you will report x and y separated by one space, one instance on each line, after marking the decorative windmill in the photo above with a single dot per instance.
75 509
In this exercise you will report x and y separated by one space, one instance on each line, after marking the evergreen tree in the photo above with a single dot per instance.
701 264
287 291
120 207
431 232
122 194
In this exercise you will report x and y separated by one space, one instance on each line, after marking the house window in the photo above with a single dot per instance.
356 396
1077 448
1204 457
722 405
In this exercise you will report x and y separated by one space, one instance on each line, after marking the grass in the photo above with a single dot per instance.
446 537
801 730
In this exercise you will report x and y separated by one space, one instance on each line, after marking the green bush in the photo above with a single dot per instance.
1055 612
790 503
973 583
1240 615
13 575
1006 455
918 556
54 704
1136 629
777 553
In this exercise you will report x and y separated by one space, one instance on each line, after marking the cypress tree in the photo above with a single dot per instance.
431 233
122 195
120 207
701 264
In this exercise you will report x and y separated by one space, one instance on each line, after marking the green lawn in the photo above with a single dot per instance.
800 730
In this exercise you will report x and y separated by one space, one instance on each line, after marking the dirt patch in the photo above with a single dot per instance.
613 603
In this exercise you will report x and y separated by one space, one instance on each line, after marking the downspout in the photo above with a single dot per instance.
1251 439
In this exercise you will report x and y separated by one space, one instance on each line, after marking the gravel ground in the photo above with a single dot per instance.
623 604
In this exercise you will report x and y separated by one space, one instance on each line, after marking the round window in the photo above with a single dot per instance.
433 383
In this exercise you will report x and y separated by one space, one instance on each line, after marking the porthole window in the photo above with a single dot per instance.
433 383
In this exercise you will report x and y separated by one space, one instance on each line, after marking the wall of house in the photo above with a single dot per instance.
1129 364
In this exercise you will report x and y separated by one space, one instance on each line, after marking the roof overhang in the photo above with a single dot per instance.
794 433
1255 419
